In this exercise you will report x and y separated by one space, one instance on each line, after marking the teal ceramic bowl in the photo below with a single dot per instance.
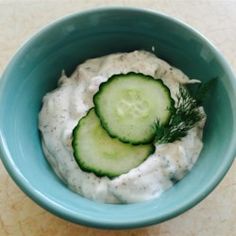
34 71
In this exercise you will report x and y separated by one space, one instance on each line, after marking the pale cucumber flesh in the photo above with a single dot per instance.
95 151
129 105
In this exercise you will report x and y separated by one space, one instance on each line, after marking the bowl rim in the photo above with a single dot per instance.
45 202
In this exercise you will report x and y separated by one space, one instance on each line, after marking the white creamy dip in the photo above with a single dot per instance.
63 108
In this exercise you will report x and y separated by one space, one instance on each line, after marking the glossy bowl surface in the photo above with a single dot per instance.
62 45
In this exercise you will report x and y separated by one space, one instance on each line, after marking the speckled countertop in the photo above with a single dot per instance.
215 215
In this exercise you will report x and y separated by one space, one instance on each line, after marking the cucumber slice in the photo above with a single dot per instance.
129 105
95 151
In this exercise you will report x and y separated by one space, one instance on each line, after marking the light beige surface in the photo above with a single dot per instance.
216 215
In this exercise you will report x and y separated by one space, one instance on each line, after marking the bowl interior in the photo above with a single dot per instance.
61 46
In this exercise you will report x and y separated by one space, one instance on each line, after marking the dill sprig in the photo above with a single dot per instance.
184 116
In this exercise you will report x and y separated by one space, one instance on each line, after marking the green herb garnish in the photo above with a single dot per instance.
184 116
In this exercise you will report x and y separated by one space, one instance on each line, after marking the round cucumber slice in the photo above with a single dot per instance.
128 106
95 151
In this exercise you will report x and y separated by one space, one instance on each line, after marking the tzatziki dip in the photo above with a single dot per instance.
129 101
